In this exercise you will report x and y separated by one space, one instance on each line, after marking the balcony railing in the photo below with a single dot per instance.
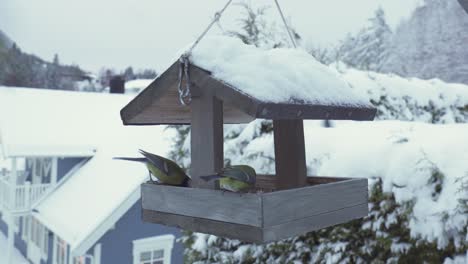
19 198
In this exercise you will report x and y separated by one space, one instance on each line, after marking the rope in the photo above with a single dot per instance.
215 19
286 25
185 97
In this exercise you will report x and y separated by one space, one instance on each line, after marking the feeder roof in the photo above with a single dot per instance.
252 83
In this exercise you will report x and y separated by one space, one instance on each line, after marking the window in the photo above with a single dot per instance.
25 228
79 260
61 251
152 257
153 250
35 233
39 236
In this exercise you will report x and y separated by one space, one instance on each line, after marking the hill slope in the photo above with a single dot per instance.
27 70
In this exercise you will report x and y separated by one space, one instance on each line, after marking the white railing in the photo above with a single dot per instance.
4 192
19 198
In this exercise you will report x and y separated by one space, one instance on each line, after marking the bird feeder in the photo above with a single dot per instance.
286 204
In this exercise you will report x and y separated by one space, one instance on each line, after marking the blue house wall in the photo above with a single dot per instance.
19 243
64 165
117 244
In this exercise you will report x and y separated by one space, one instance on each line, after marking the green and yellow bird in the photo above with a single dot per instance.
236 178
166 171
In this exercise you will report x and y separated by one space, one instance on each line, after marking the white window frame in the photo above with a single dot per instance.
60 251
164 242
36 234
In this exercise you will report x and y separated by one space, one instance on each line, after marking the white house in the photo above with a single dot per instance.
63 199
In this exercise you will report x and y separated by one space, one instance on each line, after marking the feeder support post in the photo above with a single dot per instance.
290 158
206 138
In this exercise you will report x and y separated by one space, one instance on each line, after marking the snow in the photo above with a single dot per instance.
404 154
51 122
279 75
62 123
43 121
404 98
136 86
86 199
17 257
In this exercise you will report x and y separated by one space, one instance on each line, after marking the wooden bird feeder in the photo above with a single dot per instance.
286 204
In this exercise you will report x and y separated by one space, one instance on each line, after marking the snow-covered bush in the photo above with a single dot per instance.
417 171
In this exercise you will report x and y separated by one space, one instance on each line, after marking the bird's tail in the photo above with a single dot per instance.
131 159
186 182
211 177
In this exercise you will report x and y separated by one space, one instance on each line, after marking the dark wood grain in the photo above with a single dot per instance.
203 203
301 203
290 160
206 137
235 231
313 223
257 217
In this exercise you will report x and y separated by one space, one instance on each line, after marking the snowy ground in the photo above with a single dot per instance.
17 257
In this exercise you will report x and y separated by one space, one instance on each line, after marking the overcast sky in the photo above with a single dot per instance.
147 33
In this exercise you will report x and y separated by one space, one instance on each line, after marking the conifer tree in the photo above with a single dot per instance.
369 48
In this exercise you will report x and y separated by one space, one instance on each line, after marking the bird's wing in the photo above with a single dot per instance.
130 159
242 173
158 161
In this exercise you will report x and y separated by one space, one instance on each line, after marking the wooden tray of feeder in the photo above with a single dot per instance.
288 204
259 217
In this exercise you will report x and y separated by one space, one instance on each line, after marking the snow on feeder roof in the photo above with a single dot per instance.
252 83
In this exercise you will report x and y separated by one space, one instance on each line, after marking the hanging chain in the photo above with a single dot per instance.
286 25
185 96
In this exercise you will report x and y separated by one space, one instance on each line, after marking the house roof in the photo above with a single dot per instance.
94 195
38 122
89 202
252 83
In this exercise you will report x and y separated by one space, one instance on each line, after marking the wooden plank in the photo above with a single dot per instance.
203 203
289 205
145 99
166 109
290 160
268 182
308 111
206 137
315 180
316 222
225 92
235 231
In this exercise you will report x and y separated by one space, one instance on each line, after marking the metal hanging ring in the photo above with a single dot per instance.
185 96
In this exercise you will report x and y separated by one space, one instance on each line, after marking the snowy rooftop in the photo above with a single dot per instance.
279 75
88 199
61 123
252 83
37 122
137 85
